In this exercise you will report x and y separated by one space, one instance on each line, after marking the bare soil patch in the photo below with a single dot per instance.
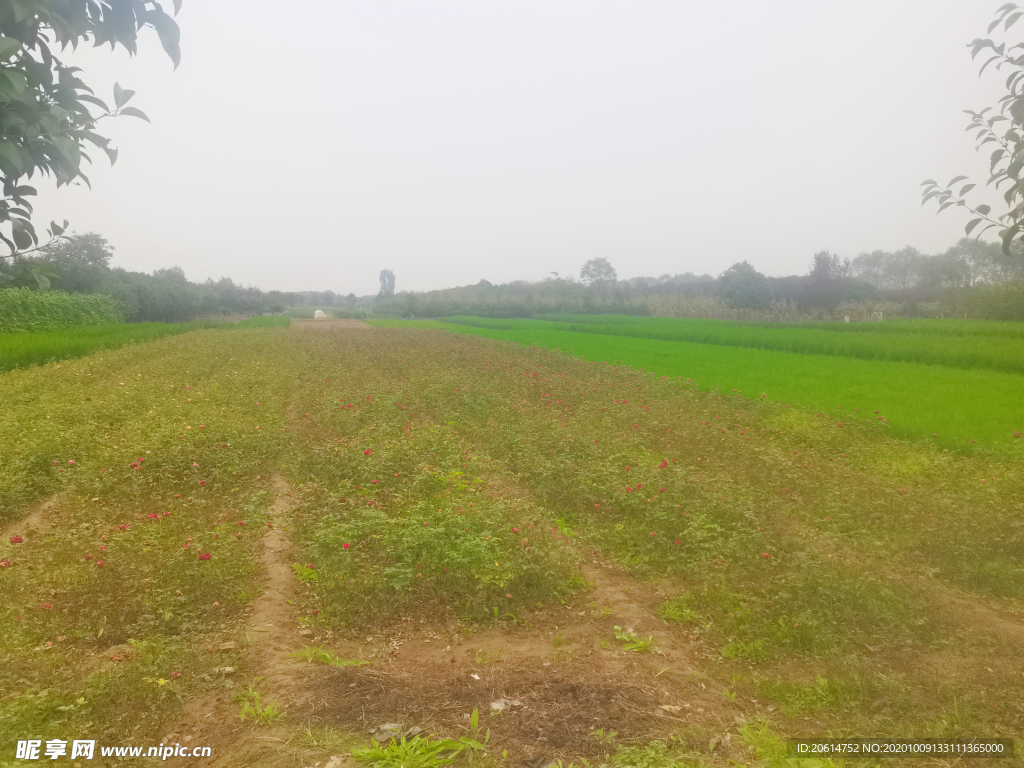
331 324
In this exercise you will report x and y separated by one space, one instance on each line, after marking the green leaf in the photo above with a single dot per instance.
971 225
9 46
133 112
22 233
12 155
121 96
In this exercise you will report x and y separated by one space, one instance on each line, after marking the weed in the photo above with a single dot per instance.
633 642
323 656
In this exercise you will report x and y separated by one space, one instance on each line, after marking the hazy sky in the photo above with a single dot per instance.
457 140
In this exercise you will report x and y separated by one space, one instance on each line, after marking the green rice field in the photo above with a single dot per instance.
959 383
19 350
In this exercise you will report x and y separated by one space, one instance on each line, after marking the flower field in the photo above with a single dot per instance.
274 541
955 382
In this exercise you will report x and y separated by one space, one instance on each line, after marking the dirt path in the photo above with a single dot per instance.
33 523
331 324
272 632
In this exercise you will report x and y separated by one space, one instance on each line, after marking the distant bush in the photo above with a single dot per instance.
24 310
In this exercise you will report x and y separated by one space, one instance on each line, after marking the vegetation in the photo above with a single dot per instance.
1006 162
876 385
19 350
470 480
46 109
25 310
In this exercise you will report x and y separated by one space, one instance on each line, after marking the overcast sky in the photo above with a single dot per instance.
457 140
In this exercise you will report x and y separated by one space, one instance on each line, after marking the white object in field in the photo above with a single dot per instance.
847 318
319 313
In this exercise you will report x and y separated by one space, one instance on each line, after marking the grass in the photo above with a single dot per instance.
20 350
466 476
909 399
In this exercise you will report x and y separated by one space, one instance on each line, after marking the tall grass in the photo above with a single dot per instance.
25 310
958 344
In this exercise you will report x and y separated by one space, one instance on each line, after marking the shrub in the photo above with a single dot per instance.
24 310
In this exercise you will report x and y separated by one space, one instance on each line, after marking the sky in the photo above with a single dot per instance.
453 140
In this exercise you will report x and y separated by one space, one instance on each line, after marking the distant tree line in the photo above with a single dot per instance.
971 279
81 264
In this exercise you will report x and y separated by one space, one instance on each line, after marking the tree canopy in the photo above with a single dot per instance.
599 272
48 114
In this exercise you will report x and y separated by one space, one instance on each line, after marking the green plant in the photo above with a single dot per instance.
679 610
603 737
417 752
323 656
739 649
633 642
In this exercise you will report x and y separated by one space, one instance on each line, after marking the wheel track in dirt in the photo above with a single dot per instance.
211 719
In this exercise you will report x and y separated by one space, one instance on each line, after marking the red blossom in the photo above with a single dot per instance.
515 530
46 606
205 556
346 545
5 563
366 452
99 563
16 540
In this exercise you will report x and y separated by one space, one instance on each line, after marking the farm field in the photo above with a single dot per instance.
274 541
19 350
953 384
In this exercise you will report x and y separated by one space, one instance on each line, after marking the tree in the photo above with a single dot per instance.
387 283
1006 163
598 272
745 287
46 111
828 268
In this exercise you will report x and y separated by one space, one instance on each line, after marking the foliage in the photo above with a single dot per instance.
24 310
631 641
598 272
387 283
46 108
1006 162
743 286
417 752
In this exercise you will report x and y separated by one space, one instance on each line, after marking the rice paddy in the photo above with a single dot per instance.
952 382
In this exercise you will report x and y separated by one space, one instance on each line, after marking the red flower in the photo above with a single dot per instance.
175 674
99 563
765 555
167 514
205 556
654 533
241 522
16 540
366 452
5 563
677 541
309 565
374 482
345 545
663 465
515 530
46 606
202 483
